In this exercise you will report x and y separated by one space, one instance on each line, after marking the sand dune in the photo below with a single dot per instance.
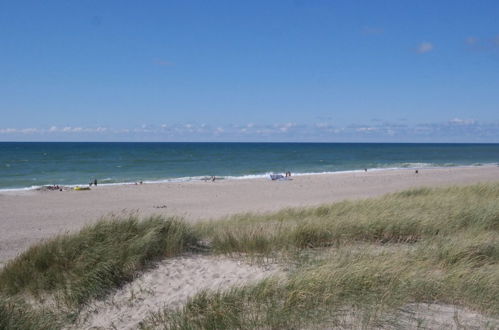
27 217
169 285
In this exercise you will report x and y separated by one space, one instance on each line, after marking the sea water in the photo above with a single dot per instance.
27 165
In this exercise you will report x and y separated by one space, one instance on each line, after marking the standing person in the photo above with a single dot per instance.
95 182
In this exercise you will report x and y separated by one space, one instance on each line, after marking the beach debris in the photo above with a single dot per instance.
160 206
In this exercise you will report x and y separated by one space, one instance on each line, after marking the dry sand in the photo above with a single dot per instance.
26 217
169 286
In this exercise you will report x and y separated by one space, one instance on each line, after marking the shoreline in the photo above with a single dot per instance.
29 217
249 176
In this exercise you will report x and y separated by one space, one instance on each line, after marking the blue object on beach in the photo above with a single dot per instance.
277 176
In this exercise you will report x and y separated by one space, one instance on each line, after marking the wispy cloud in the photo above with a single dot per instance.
424 47
459 121
482 44
455 129
53 129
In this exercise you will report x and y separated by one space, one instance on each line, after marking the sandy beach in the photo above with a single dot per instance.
29 216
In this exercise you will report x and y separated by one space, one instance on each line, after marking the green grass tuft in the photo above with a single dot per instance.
405 217
15 314
99 258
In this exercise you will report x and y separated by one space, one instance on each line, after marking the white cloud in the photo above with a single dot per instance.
366 129
8 130
456 129
29 130
53 130
424 47
284 128
458 121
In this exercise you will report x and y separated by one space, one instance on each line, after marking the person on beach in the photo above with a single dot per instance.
95 182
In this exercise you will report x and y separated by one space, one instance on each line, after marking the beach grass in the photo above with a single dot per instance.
353 264
86 265
353 286
357 264
404 217
17 314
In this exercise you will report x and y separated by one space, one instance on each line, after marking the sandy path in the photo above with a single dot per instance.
28 217
169 285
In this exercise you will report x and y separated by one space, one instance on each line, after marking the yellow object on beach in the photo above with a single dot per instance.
81 188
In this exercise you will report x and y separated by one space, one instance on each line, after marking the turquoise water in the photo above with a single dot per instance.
25 165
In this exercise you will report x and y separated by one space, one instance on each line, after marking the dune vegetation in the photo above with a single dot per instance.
69 270
351 264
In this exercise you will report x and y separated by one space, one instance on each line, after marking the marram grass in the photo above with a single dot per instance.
358 289
405 217
16 314
364 261
353 264
99 258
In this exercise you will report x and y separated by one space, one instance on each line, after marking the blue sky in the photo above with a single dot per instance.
316 70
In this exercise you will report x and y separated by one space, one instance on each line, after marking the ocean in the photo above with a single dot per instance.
26 165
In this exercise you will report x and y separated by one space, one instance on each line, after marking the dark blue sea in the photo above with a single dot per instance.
29 165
